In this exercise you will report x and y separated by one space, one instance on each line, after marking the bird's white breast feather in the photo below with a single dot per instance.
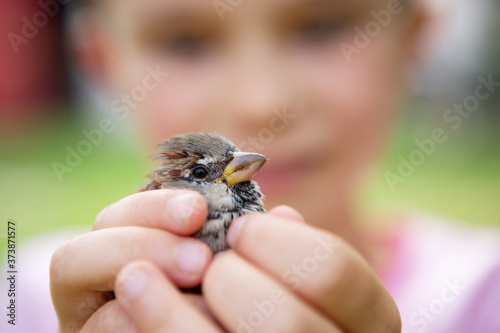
218 194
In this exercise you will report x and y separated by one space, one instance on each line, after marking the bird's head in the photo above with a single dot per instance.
211 165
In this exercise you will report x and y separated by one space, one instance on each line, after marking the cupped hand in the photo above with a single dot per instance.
150 226
280 276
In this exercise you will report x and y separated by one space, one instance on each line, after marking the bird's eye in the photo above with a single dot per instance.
200 172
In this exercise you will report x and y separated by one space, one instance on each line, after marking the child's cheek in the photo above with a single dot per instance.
376 88
358 98
363 93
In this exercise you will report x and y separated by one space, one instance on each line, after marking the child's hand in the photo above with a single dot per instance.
149 226
280 277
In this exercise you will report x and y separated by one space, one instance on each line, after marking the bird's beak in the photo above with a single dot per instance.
242 168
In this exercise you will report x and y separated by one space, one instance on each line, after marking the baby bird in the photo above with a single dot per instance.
215 167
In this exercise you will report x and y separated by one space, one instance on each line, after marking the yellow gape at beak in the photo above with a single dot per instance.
242 168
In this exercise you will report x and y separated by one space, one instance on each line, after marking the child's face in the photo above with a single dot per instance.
272 78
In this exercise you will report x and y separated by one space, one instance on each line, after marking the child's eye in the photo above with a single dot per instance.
320 31
187 46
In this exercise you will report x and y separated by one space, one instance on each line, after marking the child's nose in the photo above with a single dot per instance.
258 85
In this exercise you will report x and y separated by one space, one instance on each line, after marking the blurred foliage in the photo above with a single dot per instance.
459 181
32 195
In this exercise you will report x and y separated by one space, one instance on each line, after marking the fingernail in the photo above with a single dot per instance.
191 258
235 229
288 213
181 207
131 282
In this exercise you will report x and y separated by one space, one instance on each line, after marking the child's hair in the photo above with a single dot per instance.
84 3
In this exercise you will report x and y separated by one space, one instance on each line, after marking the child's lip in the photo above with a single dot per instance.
281 177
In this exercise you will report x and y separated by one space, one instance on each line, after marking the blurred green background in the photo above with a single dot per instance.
461 180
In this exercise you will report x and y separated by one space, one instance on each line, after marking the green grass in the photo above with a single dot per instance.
459 181
31 194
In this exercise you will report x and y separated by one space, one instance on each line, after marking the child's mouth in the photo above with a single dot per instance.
284 177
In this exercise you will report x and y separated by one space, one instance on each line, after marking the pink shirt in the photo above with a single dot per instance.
445 278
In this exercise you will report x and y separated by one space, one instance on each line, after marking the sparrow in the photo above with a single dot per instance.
216 168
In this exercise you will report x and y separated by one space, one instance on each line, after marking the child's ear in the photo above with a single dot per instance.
91 49
423 32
